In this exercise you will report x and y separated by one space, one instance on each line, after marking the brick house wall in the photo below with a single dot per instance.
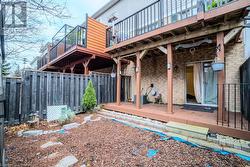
154 69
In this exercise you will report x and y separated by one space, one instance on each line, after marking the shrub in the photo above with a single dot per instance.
66 116
89 97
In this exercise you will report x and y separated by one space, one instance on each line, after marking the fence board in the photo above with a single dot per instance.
37 90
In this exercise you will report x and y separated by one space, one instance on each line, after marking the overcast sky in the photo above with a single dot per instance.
77 10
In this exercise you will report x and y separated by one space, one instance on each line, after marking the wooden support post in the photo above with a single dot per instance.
138 81
86 64
72 69
221 74
64 70
118 83
86 69
170 78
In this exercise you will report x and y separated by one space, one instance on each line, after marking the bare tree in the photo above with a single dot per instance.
39 12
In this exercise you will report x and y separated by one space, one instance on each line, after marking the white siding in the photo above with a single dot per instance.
247 42
123 9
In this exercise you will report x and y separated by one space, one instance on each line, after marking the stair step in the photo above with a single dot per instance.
188 130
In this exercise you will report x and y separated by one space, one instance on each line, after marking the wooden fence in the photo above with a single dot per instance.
36 90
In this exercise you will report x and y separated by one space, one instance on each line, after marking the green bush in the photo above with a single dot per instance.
89 97
66 116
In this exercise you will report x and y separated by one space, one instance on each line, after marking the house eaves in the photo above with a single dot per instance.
106 7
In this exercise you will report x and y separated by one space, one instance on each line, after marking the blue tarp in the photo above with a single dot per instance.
151 153
164 137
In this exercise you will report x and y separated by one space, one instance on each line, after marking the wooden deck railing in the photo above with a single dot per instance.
158 14
236 110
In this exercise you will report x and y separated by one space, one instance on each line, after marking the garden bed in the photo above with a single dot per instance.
108 143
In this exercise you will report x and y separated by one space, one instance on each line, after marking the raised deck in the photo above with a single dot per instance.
204 119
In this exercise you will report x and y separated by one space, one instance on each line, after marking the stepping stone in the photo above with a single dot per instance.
87 119
97 119
32 133
67 161
53 155
50 144
71 126
20 133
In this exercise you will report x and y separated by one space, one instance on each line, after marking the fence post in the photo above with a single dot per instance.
37 90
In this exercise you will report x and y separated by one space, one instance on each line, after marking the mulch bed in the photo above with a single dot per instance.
110 144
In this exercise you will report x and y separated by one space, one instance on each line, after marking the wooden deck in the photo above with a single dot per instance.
159 112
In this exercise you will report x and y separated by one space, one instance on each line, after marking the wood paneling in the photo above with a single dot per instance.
96 35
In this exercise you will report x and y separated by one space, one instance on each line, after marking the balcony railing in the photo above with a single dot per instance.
77 36
42 61
156 15
61 34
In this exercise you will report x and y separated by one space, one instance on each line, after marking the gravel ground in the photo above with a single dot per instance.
109 144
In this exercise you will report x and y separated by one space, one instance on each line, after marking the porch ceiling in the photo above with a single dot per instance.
182 31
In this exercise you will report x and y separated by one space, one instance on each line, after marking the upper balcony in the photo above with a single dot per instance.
167 16
75 37
76 44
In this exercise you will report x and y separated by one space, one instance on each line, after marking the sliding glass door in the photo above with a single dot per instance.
210 85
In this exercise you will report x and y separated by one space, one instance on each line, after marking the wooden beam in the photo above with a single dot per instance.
129 55
138 81
172 33
221 74
53 67
72 69
170 78
86 64
164 50
143 53
194 34
86 70
115 60
118 86
187 30
232 34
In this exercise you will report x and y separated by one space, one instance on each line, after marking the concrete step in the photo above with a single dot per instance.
188 130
